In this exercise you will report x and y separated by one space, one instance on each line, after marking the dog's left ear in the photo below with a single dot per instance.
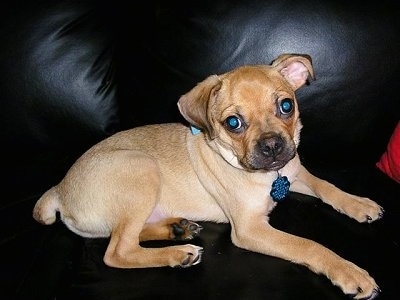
295 68
195 104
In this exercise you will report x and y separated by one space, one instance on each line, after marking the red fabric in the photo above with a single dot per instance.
389 162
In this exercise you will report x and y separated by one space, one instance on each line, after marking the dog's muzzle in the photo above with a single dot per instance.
272 152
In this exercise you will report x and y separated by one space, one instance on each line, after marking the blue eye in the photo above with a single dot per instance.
286 106
233 123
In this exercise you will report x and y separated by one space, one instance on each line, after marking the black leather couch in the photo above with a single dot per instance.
75 72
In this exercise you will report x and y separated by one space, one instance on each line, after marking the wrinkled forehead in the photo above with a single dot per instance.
255 86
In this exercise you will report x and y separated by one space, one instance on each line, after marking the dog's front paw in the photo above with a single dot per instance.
188 255
361 209
184 229
354 281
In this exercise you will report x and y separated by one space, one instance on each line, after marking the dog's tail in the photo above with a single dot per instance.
46 207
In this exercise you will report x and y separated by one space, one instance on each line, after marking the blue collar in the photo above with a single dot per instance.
194 130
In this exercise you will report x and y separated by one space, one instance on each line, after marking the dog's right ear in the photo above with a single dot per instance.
195 104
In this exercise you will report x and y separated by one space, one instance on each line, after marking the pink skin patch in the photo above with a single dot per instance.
156 215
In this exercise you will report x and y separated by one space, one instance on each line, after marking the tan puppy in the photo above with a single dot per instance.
148 182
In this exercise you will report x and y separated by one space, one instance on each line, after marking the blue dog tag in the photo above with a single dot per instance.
280 188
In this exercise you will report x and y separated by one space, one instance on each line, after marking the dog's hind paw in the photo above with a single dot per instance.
184 230
192 256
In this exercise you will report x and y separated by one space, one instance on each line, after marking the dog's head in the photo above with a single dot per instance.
250 114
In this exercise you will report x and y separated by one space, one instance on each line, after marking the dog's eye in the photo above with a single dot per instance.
286 106
234 124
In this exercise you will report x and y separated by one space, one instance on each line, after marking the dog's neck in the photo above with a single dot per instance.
224 152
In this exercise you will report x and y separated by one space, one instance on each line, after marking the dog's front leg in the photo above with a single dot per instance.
360 208
260 236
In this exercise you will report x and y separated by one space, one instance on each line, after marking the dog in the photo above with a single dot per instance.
233 162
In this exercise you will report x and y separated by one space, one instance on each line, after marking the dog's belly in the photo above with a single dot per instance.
183 195
190 200
214 214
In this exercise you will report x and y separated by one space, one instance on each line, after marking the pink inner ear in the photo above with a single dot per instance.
296 74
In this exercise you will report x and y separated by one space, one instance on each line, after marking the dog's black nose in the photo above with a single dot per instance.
271 144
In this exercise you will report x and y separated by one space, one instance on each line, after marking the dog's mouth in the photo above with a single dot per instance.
275 165
260 163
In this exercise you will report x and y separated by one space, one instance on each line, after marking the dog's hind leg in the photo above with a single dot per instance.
170 229
123 252
134 207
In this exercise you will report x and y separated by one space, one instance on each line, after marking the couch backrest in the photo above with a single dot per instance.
74 72
348 112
